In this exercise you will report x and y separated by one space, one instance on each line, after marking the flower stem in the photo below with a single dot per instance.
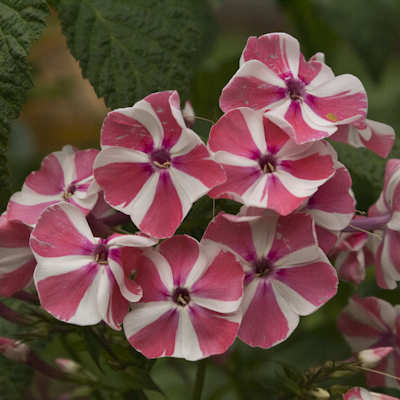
200 375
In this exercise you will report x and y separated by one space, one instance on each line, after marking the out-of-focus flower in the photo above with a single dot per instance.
274 77
372 323
82 279
286 273
63 177
190 304
264 167
387 251
17 262
152 167
370 358
14 350
359 393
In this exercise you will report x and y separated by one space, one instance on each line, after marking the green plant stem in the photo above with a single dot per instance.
201 373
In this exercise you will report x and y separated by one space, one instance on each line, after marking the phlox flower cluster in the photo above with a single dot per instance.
252 275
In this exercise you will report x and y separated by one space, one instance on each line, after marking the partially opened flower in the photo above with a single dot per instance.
375 136
286 274
64 176
359 393
274 77
264 167
152 166
387 210
17 262
82 279
190 304
370 323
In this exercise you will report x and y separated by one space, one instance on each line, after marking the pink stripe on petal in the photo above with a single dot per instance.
61 295
197 164
232 134
18 279
303 132
165 214
13 235
316 283
181 252
50 179
215 332
275 137
264 323
123 131
56 235
313 167
326 238
382 138
157 339
236 237
162 103
84 164
222 280
121 195
148 278
27 214
249 91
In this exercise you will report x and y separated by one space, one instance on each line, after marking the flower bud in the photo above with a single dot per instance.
319 393
188 114
14 350
370 358
68 366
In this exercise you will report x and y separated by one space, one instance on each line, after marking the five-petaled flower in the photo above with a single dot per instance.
190 304
152 166
82 279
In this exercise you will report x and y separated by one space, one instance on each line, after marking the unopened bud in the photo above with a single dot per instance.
14 350
188 114
380 396
319 393
68 366
370 358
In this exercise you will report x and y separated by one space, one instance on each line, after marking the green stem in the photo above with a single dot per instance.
201 373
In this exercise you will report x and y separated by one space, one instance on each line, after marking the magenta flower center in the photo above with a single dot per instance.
161 159
296 89
68 193
101 253
181 296
262 269
267 163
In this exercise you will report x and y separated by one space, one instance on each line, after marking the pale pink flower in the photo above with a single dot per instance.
264 167
152 167
190 304
82 279
371 323
17 262
286 274
274 77
387 209
63 177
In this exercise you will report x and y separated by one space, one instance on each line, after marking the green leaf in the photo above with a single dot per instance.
130 48
20 23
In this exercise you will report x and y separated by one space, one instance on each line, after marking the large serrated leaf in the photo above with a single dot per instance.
20 23
130 48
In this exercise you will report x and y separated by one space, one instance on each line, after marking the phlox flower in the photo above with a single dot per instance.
17 262
265 168
352 256
152 167
387 209
370 323
274 77
190 304
359 393
286 274
82 279
64 176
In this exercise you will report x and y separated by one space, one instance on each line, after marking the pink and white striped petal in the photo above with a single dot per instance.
17 262
82 279
190 291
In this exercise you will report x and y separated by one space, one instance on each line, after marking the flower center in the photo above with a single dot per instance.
161 159
68 193
263 268
267 163
181 296
295 89
101 253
